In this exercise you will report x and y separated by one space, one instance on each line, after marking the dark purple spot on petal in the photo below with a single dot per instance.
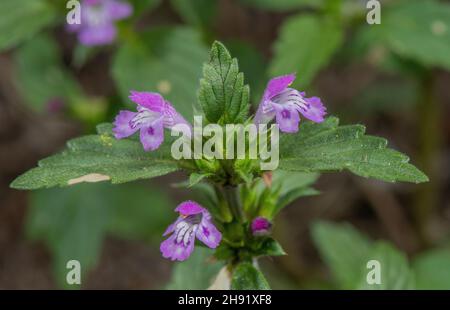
286 114
205 231
151 131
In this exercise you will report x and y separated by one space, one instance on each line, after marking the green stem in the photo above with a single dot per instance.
428 111
231 195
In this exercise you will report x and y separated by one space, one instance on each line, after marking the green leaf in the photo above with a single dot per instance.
269 247
290 185
222 95
395 271
293 195
21 22
247 277
199 13
195 178
282 5
343 249
142 6
196 273
428 22
329 147
73 221
306 44
158 62
135 219
41 76
432 269
98 157
253 65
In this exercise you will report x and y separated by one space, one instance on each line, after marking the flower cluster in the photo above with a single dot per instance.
154 113
152 116
98 19
285 104
193 223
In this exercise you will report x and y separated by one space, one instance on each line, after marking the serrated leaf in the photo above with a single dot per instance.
41 76
329 147
196 273
428 22
98 158
247 277
305 45
21 22
222 95
394 267
282 5
343 249
159 63
432 269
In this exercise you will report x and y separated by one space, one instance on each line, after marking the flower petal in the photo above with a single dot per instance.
315 110
278 84
171 227
117 9
122 127
97 35
152 135
149 100
189 208
207 232
287 118
177 251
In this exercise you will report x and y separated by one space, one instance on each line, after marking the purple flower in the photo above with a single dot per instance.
260 226
153 114
98 19
284 104
193 222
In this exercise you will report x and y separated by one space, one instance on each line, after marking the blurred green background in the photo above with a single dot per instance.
393 77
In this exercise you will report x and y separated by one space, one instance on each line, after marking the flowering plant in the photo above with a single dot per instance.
241 199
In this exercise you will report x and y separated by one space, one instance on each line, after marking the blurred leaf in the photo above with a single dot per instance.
98 157
160 63
425 21
432 269
387 96
282 5
199 13
142 6
41 76
395 271
223 95
140 213
329 147
343 249
247 277
196 273
73 221
21 22
306 44
253 65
